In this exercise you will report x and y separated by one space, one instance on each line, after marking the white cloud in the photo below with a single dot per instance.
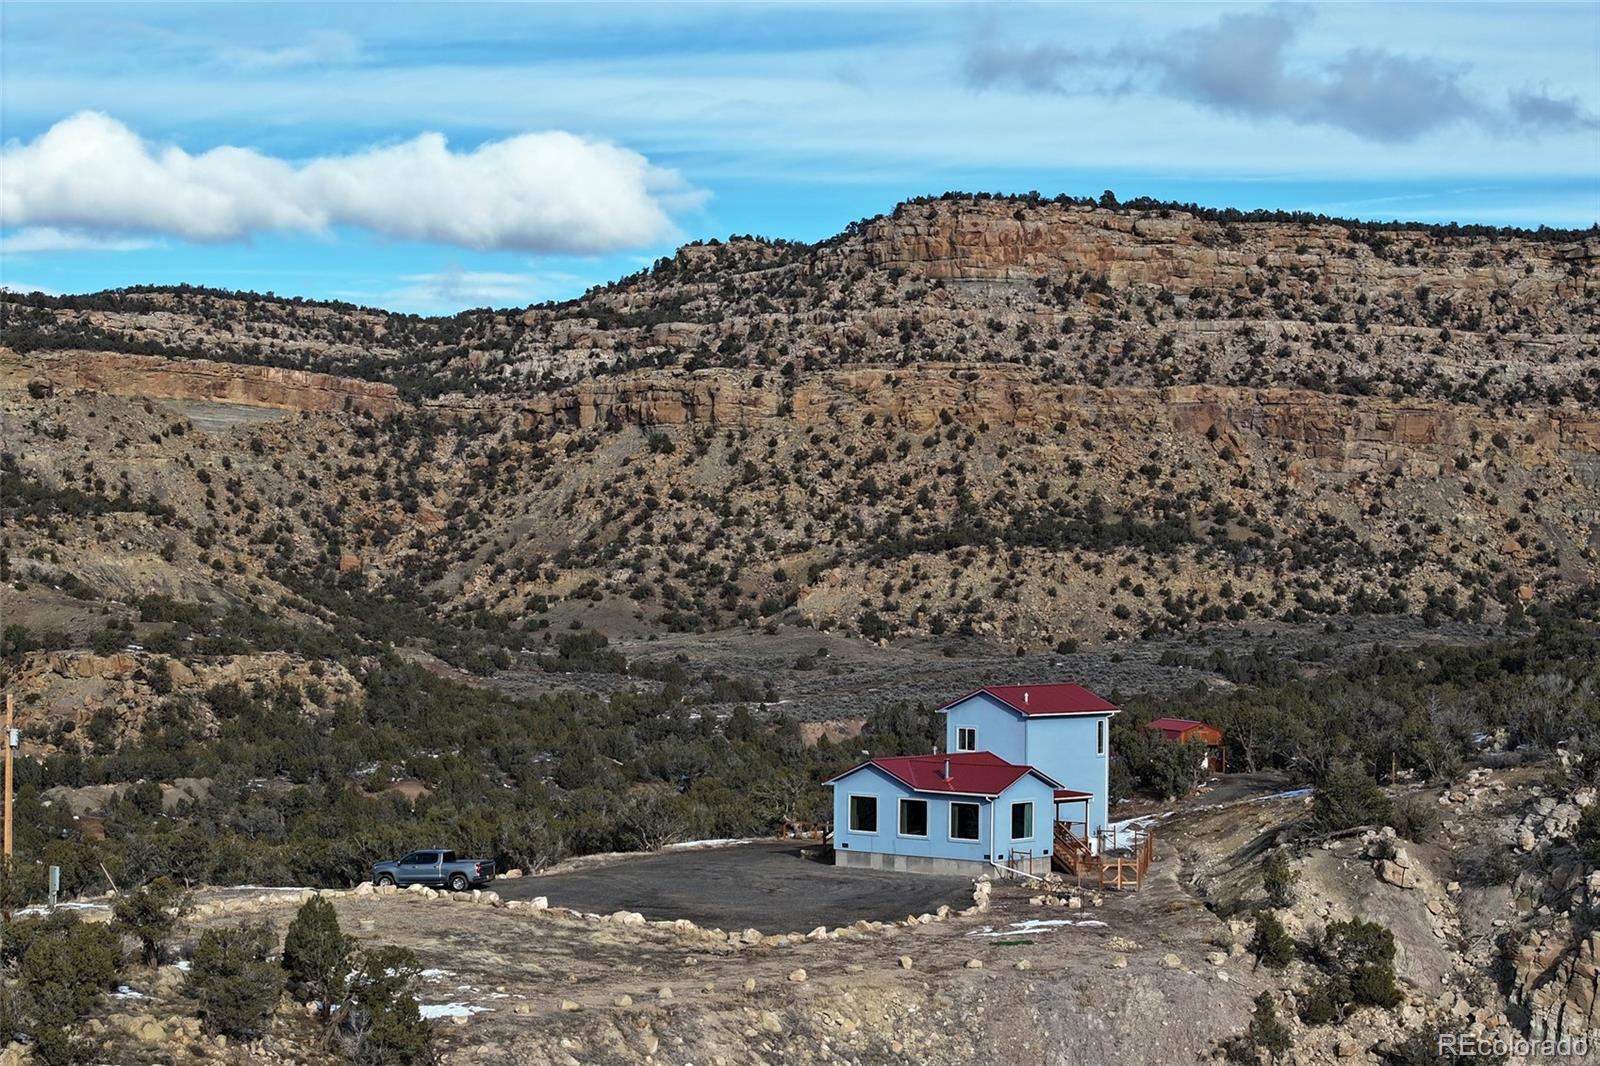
454 289
547 192
319 48
38 239
24 288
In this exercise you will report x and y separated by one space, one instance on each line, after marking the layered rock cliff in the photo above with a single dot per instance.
158 378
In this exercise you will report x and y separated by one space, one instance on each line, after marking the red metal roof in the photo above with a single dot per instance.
1038 701
1177 725
977 773
1072 794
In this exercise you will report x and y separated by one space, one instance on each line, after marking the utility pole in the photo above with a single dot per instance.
10 735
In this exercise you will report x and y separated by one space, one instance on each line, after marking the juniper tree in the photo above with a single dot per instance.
236 987
1271 945
1278 878
1266 1032
316 957
149 914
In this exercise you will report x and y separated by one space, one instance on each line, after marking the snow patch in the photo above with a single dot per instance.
718 842
40 909
450 1010
1038 925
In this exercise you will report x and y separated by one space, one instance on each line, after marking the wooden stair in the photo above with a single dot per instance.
1072 854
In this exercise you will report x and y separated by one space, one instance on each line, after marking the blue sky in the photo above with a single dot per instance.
435 157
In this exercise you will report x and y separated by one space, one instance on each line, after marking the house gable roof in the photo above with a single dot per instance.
1172 723
1042 701
1179 726
978 773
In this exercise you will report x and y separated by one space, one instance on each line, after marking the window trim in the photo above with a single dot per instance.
850 813
966 729
978 807
900 820
1032 824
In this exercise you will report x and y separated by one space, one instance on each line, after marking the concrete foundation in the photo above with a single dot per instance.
923 864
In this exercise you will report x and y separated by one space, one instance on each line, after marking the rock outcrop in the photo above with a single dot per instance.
1557 984
1323 431
994 241
156 378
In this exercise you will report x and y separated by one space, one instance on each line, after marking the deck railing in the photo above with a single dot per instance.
1120 859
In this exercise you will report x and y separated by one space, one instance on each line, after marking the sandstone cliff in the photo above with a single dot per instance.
157 378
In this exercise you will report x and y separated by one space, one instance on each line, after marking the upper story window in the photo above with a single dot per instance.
1100 737
966 738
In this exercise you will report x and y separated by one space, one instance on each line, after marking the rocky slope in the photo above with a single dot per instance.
1037 424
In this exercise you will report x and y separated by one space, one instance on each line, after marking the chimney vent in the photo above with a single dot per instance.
1024 695
947 769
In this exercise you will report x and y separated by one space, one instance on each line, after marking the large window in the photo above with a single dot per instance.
1022 821
913 818
863 814
964 821
966 738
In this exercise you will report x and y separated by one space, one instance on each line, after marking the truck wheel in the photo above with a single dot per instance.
385 881
458 882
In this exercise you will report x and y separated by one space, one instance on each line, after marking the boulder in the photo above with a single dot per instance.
1393 873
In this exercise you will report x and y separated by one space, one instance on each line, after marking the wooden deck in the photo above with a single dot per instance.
1120 860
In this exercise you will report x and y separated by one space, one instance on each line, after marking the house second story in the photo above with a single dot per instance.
1063 730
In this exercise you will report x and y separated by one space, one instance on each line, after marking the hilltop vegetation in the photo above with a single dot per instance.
299 796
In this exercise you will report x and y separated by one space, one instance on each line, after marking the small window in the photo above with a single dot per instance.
449 856
913 818
412 859
1100 737
863 814
1022 821
964 821
966 738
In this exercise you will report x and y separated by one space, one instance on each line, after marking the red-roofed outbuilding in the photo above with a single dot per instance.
1186 730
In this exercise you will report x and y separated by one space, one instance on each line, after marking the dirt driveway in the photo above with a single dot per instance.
765 885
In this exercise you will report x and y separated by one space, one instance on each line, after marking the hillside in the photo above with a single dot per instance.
1031 422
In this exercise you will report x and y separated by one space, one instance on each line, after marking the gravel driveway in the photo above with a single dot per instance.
766 885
